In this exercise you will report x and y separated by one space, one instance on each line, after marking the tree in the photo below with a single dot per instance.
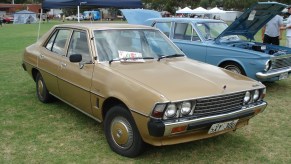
204 3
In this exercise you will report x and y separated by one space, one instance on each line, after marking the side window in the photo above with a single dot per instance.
49 45
58 41
183 31
165 27
79 45
195 36
203 30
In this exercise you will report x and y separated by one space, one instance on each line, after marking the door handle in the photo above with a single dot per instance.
63 65
41 56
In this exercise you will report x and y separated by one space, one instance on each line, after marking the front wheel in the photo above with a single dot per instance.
234 67
121 132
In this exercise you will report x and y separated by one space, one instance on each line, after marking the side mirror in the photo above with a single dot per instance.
75 58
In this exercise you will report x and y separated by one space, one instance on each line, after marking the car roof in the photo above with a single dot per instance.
102 26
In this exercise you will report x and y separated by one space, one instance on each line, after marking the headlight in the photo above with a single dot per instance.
171 111
174 109
247 97
185 108
256 95
268 65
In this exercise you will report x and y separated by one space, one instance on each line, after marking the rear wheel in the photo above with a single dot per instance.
121 132
234 67
41 90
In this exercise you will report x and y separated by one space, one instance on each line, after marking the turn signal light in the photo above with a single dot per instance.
179 129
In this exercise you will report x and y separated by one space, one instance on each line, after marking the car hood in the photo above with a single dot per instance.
180 79
139 16
248 24
253 19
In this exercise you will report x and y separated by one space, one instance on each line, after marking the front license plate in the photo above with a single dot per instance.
283 76
222 126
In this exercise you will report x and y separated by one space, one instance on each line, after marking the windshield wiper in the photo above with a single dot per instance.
112 60
129 59
170 56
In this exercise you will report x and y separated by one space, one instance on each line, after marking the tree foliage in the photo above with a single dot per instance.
173 5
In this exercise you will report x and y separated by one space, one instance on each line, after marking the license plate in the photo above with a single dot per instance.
283 76
222 126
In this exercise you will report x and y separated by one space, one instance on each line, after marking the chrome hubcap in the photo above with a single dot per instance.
233 68
121 132
40 88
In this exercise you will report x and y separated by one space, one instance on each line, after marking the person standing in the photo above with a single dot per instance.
271 32
1 20
63 17
288 28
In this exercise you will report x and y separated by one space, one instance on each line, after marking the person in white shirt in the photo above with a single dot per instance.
288 28
271 32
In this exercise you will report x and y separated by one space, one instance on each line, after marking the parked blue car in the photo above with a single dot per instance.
231 47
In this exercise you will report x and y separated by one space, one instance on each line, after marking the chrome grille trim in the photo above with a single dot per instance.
281 62
219 104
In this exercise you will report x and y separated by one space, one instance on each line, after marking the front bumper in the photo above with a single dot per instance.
160 128
273 73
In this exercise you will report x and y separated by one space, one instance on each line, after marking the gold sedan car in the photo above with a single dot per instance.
140 85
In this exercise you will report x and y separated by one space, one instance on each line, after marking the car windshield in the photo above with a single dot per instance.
211 30
116 44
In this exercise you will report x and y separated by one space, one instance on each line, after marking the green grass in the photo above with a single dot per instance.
32 132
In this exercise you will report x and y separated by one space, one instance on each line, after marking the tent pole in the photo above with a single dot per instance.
78 8
40 18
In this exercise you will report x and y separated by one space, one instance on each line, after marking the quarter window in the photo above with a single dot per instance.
58 41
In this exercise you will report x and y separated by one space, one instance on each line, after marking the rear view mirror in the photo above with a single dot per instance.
75 58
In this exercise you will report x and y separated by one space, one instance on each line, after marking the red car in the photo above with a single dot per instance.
8 19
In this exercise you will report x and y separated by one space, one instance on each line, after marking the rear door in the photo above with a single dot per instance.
52 52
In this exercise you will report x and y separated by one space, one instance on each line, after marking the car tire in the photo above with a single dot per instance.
121 132
234 67
41 90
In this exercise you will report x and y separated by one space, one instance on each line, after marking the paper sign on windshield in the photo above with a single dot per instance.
130 56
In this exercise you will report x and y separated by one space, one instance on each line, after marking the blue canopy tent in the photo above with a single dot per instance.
121 4
51 4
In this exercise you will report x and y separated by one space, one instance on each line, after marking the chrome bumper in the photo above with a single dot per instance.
205 121
272 73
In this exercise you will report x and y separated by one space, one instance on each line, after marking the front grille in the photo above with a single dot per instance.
219 104
281 62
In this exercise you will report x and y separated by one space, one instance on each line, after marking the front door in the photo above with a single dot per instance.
187 39
74 79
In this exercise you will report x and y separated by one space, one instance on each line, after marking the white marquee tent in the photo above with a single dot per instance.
199 10
185 10
24 17
215 10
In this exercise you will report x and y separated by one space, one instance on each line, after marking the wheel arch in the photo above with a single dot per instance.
34 72
109 103
229 61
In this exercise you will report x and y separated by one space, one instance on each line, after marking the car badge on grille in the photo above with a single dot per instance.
255 85
224 87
